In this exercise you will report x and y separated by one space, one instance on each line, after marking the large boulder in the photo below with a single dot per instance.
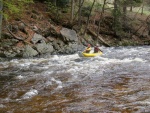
43 48
37 38
69 35
40 45
29 52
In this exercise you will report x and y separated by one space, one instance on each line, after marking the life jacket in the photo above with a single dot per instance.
96 49
88 49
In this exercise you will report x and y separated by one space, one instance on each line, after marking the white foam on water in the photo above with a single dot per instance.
20 77
48 72
52 79
59 87
2 106
144 102
25 62
48 83
44 67
30 94
73 69
55 57
139 60
58 82
126 60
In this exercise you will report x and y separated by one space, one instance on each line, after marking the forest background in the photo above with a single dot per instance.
107 22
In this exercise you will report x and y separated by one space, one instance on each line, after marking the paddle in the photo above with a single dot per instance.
100 50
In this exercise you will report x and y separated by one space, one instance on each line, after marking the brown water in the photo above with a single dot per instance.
117 82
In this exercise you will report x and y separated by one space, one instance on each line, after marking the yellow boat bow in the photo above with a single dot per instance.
91 54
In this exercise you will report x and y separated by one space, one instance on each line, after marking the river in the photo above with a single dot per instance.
116 82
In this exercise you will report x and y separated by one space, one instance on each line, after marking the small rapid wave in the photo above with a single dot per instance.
117 81
30 94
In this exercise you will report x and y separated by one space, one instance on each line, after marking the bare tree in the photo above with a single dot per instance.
142 7
88 18
72 10
131 5
55 1
124 13
101 17
79 14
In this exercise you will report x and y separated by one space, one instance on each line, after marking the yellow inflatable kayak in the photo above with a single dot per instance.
91 54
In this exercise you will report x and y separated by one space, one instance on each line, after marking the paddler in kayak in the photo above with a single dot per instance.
88 49
97 49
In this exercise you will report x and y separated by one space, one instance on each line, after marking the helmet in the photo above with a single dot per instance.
97 44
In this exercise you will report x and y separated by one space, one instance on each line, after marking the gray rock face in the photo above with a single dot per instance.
37 38
44 48
69 35
66 45
29 52
9 54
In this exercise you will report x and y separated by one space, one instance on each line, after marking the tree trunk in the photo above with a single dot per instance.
101 17
131 5
72 10
54 1
115 8
88 18
124 13
1 16
142 9
117 15
79 14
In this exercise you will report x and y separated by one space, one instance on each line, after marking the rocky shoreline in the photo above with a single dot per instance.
67 43
36 33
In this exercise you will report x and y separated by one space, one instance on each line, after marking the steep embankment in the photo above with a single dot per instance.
37 32
34 33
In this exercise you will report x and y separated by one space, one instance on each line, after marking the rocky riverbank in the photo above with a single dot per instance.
35 33
65 43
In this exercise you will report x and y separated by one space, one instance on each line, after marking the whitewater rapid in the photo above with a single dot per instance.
117 81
